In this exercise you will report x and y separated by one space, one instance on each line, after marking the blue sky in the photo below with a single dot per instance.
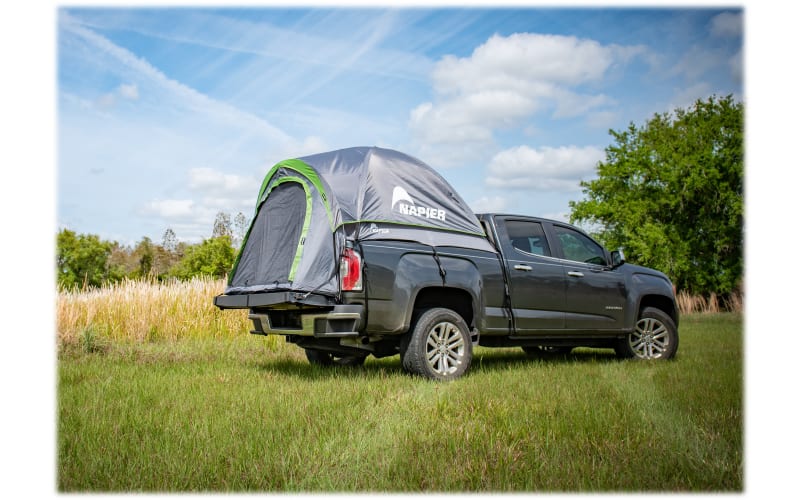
167 116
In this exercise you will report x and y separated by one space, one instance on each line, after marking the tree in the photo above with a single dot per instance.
144 254
213 257
169 241
671 194
222 226
240 224
81 259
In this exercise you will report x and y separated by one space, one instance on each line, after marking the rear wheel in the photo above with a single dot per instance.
655 337
438 346
323 358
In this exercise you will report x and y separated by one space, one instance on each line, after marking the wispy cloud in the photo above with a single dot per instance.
727 24
197 101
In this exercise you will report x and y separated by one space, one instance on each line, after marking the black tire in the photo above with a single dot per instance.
539 351
438 346
654 337
323 358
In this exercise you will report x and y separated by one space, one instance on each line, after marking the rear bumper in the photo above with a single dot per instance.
342 321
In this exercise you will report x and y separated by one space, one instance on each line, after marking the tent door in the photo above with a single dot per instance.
274 246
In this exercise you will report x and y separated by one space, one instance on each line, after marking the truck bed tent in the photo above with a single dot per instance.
307 207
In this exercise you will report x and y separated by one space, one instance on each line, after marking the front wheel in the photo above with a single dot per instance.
655 337
439 345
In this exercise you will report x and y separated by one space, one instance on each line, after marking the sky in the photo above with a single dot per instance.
167 116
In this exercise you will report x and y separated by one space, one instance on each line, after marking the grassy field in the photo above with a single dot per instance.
189 406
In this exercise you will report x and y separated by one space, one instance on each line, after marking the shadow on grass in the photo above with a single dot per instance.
303 369
484 361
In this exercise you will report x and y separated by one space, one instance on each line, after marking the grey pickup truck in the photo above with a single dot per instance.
367 251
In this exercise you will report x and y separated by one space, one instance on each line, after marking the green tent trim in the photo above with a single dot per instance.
306 171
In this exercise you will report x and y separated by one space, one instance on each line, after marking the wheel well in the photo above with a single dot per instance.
450 298
660 302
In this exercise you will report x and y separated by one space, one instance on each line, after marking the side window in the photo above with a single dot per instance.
528 237
579 248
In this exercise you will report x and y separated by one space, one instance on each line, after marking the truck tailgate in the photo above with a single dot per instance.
265 299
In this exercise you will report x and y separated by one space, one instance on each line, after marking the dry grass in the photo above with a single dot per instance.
689 304
144 311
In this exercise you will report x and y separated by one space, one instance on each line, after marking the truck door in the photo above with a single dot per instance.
536 278
595 293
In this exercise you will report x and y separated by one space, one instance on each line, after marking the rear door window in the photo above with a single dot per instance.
528 237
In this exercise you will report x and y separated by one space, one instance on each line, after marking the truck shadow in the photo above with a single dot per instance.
482 362
502 359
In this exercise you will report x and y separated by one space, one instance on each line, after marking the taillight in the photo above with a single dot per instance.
350 271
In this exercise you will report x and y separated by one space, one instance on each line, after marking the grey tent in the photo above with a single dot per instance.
308 207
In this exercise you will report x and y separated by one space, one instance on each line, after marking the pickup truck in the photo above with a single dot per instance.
542 285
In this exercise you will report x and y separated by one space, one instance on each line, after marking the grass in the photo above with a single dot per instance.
193 408
147 311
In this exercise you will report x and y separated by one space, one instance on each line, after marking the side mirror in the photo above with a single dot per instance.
617 258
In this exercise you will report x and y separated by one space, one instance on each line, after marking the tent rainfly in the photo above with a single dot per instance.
308 207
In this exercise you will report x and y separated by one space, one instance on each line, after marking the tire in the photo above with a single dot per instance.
438 347
654 337
322 358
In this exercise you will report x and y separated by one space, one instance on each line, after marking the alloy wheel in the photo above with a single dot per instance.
445 348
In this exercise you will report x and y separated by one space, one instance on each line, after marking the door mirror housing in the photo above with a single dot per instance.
617 258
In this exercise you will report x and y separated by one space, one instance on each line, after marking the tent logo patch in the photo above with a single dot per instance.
402 203
373 229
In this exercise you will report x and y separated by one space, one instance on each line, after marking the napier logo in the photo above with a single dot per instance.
402 202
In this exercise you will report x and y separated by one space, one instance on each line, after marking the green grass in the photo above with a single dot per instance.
250 414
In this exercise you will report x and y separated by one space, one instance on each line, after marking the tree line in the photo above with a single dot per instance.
86 260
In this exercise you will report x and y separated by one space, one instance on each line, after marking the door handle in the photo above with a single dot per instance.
522 267
575 274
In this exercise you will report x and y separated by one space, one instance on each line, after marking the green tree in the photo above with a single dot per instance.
81 259
671 194
213 257
144 253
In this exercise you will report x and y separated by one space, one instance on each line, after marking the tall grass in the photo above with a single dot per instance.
147 311
142 311
689 304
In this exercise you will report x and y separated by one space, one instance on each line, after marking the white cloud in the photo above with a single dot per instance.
559 216
543 169
737 66
211 192
506 80
727 25
698 61
170 209
129 91
686 97
492 204
212 182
